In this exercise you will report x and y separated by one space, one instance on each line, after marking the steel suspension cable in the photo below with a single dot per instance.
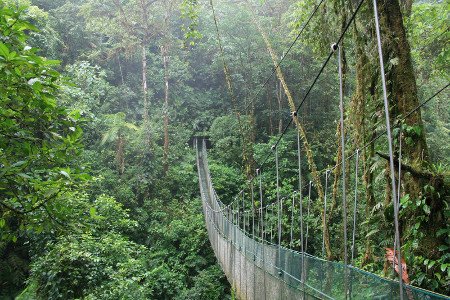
398 184
302 276
391 152
278 204
307 213
324 213
292 219
280 215
354 206
258 173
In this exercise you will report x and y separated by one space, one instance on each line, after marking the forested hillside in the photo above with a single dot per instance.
100 101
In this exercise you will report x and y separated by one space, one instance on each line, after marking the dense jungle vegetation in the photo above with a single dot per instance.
100 100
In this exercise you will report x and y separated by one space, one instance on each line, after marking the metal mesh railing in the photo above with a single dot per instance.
258 269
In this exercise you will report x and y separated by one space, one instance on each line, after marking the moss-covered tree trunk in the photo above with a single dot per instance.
403 90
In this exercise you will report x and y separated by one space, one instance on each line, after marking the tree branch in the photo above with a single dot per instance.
408 168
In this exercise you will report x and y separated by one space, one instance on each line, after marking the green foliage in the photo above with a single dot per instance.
190 12
429 33
205 285
116 126
107 266
14 268
39 140
181 256
224 133
427 270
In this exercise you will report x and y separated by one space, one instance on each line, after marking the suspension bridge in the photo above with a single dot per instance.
249 242
257 268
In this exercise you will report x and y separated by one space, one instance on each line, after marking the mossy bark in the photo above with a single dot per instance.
402 89
403 100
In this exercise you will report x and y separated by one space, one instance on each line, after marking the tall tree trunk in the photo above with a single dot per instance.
269 99
402 89
307 148
120 70
361 136
164 53
403 99
145 115
280 113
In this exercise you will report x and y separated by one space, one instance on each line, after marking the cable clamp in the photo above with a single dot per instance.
334 47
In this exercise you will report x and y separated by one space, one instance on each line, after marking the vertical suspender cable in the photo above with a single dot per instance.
324 212
354 206
253 239
292 219
307 213
258 172
391 152
279 211
244 254
280 214
302 274
242 247
243 210
253 212
269 220
238 219
398 182
352 262
238 245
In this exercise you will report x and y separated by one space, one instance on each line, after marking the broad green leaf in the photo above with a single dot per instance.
431 264
4 51
93 212
442 247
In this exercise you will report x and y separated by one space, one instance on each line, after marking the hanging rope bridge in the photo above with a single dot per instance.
249 242
257 268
